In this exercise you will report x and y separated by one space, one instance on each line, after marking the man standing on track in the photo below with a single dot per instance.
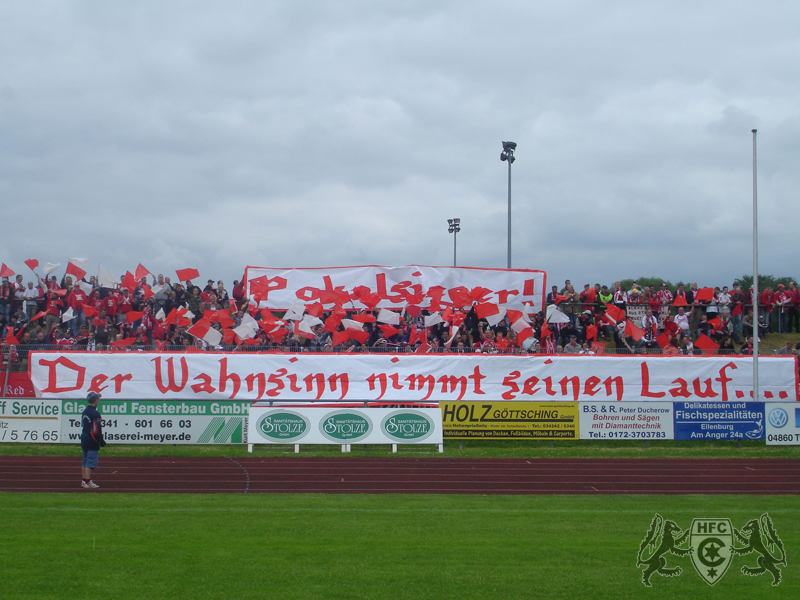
91 439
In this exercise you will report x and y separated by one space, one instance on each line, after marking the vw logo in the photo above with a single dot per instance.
778 418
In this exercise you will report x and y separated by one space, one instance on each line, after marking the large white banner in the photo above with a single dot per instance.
394 287
306 425
408 377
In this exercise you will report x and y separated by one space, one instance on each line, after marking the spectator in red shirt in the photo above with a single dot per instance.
76 299
238 293
794 308
110 304
55 306
782 302
124 304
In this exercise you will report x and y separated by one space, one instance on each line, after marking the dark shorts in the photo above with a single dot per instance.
90 458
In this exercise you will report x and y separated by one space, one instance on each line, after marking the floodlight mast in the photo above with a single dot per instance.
454 226
508 155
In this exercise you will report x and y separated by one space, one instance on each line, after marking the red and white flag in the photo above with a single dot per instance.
77 267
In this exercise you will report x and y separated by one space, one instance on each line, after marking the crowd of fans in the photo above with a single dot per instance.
137 315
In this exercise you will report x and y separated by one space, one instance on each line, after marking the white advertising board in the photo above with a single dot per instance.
626 420
305 425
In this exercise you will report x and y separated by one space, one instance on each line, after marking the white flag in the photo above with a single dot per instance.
350 324
389 317
68 315
295 313
556 316
434 319
105 278
213 337
308 322
50 267
495 319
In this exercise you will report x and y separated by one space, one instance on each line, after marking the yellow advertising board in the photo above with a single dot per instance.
510 420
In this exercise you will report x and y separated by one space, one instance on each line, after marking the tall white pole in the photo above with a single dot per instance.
509 216
755 270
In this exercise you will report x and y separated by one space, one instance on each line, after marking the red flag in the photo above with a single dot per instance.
614 313
458 318
361 336
339 337
90 311
277 335
704 294
224 320
38 315
662 340
680 301
706 344
129 282
388 330
6 272
97 322
332 324
413 336
715 323
126 342
737 310
75 270
199 329
486 310
632 330
513 315
315 310
11 340
187 274
413 310
364 318
135 315
524 335
140 272
591 332
545 331
598 347
560 298
32 263
228 336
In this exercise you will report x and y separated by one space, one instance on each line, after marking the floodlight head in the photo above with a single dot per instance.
457 221
509 146
450 221
503 156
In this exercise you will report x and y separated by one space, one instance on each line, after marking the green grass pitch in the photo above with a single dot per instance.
364 546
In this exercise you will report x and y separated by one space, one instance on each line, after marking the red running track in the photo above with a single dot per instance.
406 475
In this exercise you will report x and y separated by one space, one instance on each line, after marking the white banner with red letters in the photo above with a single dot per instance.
394 287
408 377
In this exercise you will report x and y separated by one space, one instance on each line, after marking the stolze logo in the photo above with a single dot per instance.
778 417
712 546
282 426
407 426
345 426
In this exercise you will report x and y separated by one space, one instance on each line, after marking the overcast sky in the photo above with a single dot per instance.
217 135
